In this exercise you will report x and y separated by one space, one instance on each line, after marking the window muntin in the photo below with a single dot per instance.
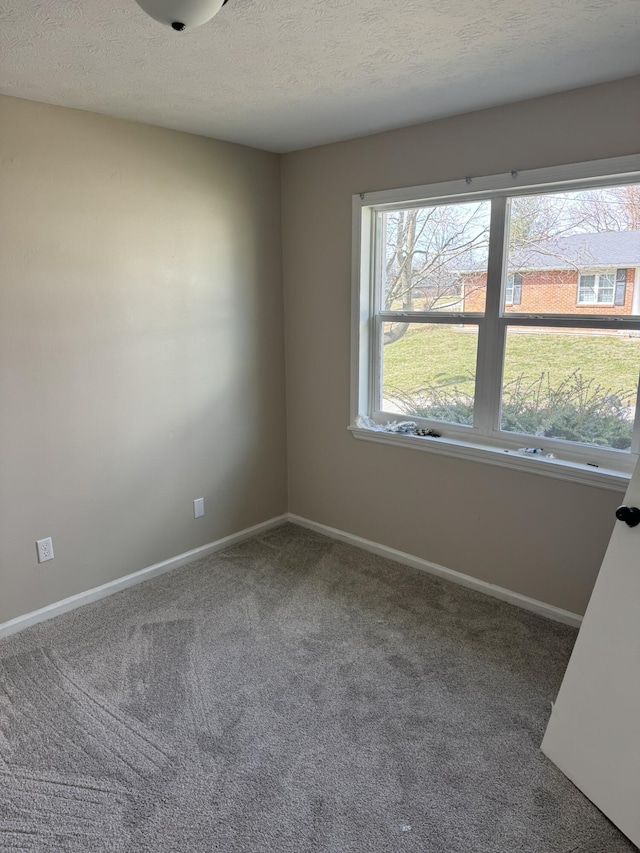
503 309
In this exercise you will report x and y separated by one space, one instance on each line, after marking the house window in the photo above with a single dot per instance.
597 288
450 333
513 289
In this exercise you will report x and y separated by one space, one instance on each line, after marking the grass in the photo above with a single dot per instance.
445 355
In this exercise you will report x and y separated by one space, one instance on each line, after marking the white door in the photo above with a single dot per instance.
593 735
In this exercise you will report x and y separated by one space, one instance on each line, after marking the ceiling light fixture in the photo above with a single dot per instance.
181 14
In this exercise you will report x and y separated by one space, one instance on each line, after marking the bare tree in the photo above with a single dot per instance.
435 257
611 209
538 218
427 251
539 224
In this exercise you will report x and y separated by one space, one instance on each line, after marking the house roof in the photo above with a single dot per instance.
580 251
608 249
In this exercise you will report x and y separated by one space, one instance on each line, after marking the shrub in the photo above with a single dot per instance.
576 409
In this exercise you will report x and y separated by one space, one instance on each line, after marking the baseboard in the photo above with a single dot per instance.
98 592
523 601
106 589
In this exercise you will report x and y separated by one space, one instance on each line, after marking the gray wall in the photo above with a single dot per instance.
541 537
141 346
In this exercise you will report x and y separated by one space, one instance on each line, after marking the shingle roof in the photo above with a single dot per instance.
603 249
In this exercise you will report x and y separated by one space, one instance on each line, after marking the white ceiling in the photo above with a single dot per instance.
287 74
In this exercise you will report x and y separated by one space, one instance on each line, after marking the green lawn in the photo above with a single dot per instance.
445 355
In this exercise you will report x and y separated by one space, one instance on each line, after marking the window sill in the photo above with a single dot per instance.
603 478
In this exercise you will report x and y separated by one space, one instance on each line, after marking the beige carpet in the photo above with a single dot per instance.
289 695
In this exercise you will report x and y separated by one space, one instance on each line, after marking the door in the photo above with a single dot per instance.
593 735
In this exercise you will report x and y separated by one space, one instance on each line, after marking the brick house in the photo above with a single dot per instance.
578 274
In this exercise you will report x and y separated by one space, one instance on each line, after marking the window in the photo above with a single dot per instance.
467 320
513 289
597 288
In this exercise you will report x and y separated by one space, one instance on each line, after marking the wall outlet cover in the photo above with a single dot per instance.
198 508
45 549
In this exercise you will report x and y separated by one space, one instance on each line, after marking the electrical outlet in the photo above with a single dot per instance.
198 508
45 549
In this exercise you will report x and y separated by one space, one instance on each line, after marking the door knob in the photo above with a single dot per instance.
629 514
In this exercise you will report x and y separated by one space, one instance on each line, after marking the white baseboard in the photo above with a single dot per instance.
106 589
523 601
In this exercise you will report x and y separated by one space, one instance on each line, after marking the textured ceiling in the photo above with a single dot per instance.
286 74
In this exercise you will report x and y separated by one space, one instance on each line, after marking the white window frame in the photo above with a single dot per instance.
484 442
597 274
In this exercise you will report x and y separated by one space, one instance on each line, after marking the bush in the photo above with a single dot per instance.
577 409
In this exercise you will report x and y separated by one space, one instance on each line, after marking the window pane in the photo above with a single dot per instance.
577 252
574 385
435 258
606 284
508 293
428 370
587 289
